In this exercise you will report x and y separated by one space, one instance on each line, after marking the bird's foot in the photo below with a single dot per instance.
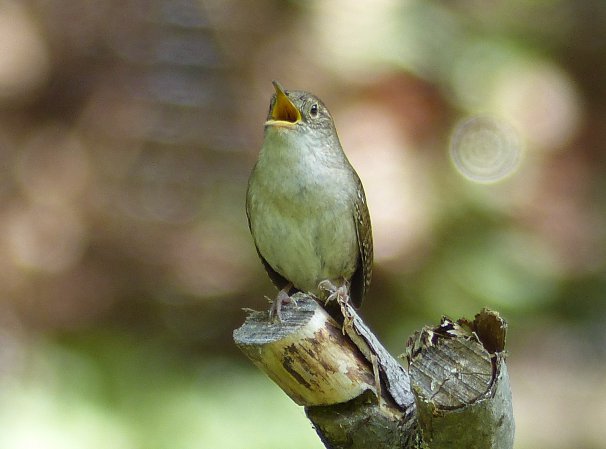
275 311
341 295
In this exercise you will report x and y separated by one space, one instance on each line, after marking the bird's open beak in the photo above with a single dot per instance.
284 111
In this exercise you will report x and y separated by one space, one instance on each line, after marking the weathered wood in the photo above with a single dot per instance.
306 354
392 374
462 389
362 424
358 396
343 388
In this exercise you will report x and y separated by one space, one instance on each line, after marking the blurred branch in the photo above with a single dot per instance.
358 396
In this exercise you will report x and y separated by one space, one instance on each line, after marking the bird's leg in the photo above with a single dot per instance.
341 295
275 311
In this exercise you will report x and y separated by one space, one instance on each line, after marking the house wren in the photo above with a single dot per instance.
306 206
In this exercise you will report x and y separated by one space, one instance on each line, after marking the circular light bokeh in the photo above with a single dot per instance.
485 149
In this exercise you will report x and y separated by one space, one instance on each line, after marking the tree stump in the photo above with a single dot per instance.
358 396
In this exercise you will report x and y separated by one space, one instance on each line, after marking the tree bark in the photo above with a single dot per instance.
359 396
461 385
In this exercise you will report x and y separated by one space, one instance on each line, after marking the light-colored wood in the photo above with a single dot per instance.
455 393
307 355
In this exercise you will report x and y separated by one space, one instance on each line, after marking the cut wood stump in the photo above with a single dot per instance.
455 393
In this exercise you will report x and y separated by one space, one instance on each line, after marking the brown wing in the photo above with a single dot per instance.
278 280
360 280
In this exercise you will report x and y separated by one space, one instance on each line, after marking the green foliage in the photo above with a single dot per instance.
110 390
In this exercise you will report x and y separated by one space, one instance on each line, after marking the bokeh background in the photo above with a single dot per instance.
127 132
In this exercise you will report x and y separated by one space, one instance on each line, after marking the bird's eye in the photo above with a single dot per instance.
313 111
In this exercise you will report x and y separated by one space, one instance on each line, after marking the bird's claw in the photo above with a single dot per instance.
341 295
327 286
275 311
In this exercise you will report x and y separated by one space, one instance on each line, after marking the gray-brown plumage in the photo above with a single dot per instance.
305 203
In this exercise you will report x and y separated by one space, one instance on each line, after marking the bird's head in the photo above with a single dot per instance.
297 110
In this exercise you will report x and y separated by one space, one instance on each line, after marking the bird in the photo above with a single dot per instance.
306 205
